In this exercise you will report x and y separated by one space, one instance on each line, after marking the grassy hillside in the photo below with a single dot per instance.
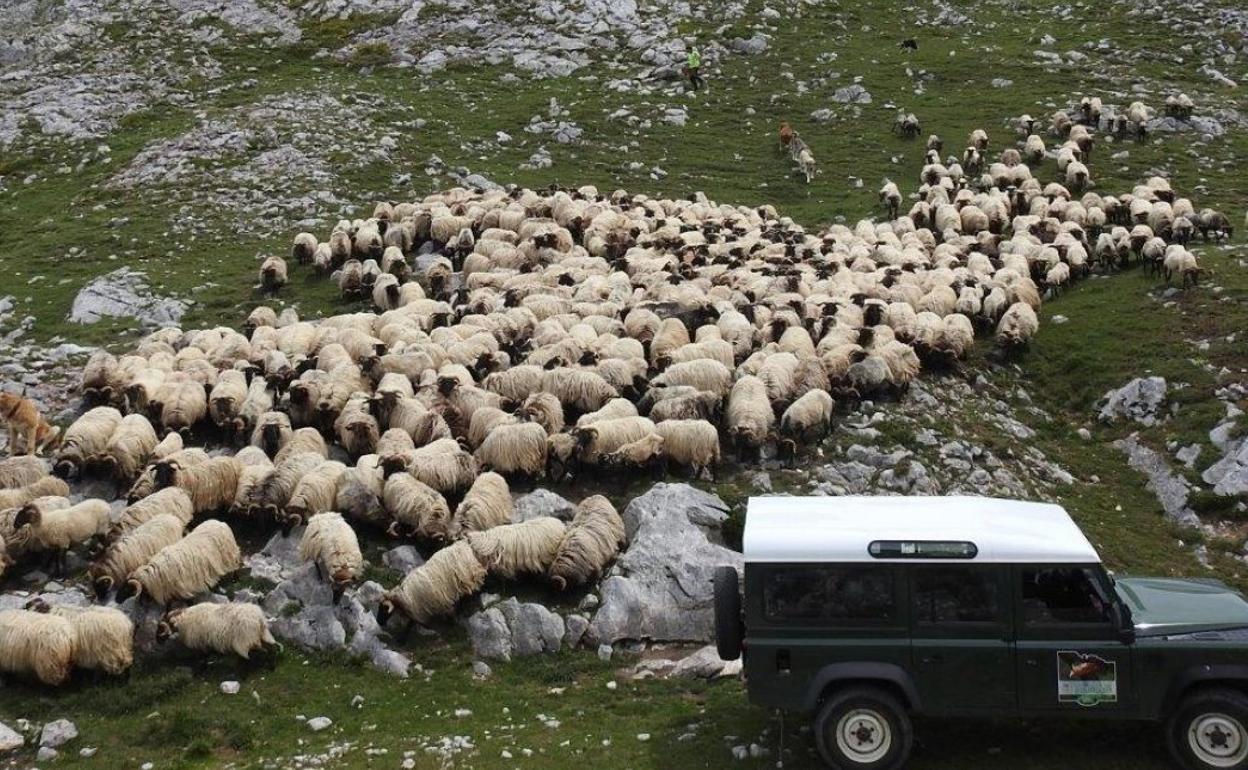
197 229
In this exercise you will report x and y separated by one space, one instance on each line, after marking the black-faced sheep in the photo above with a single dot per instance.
589 543
487 504
86 440
511 551
134 548
38 644
188 567
417 509
235 628
331 543
433 589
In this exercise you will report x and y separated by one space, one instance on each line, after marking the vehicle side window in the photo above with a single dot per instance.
842 595
954 595
1061 595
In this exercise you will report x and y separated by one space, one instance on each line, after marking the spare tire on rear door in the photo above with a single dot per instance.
729 629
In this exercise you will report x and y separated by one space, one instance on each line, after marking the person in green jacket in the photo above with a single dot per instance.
693 64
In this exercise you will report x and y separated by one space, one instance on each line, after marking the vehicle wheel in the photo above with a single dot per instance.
863 728
729 629
1210 730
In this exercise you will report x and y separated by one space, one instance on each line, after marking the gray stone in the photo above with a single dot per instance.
481 669
511 628
316 724
279 558
852 94
489 634
403 559
662 590
1170 488
575 628
46 754
542 502
58 733
124 293
9 738
705 663
749 46
1229 476
312 628
478 182
229 688
304 588
1138 400
605 651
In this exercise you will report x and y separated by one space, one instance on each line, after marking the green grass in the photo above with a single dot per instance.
1119 327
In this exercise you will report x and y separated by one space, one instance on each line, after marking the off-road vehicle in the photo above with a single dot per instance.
865 611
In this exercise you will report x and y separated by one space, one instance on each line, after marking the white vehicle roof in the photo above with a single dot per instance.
840 529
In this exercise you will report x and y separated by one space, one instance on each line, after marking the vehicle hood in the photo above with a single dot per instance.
1169 606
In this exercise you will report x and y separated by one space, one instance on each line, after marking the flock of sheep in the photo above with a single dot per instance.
522 334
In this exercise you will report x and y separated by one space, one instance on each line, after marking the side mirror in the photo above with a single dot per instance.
1124 625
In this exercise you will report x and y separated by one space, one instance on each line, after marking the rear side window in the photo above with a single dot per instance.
835 595
948 595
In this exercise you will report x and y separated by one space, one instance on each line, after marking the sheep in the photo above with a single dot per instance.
703 374
226 400
172 501
590 542
133 549
606 436
103 636
645 452
978 139
270 496
1180 260
48 486
19 471
360 492
694 405
212 485
806 164
331 543
514 449
693 443
304 248
417 509
302 441
272 274
487 504
1017 326
38 644
128 449
315 493
750 419
272 432
188 567
99 378
890 198
57 530
234 627
85 440
544 409
443 465
810 415
433 589
511 551
579 390
613 409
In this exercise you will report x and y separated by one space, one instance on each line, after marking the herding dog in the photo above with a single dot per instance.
22 418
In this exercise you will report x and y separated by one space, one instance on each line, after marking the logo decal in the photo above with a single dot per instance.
1086 679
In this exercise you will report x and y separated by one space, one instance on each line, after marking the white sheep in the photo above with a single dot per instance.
86 440
188 567
417 509
434 589
38 644
235 628
589 543
331 543
103 637
134 548
514 449
513 550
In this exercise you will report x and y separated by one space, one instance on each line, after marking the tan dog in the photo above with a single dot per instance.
22 418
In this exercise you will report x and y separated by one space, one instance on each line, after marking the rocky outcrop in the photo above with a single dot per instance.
1140 400
124 293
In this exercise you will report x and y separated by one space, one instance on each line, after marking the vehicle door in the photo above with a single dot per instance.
1069 653
962 637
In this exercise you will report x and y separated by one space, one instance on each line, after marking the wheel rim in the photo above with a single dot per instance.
864 736
1218 740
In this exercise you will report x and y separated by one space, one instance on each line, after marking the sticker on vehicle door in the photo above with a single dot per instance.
1086 679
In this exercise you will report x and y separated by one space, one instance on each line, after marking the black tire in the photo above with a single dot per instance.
1209 730
729 629
876 733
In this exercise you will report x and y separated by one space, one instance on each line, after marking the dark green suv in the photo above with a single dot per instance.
865 610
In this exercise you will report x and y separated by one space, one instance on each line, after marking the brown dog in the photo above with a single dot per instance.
786 135
22 418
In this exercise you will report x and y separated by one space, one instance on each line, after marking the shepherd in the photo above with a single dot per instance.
693 63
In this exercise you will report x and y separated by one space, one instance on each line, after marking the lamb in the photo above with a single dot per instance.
272 274
38 644
514 449
487 504
133 549
48 486
19 471
693 443
433 589
417 509
590 542
190 566
808 416
694 405
85 440
513 550
172 501
236 627
330 542
104 636
645 452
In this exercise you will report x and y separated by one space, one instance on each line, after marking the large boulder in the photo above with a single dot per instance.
511 628
124 293
1229 475
661 589
542 502
1140 400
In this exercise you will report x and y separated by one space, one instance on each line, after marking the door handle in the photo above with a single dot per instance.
1033 662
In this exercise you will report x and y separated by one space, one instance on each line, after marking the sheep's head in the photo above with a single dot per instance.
29 514
447 385
64 468
165 473
294 517
128 589
102 585
385 609
392 464
165 628
585 436
37 604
